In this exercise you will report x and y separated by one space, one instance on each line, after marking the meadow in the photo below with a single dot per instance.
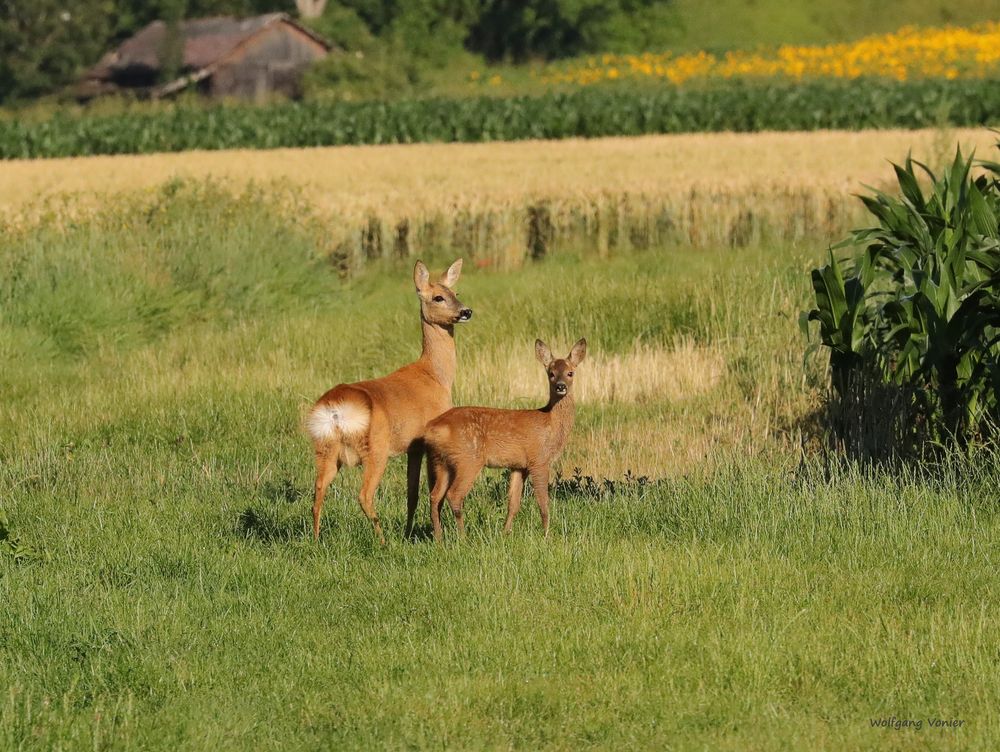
712 579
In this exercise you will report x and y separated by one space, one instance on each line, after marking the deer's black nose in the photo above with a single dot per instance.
560 389
465 314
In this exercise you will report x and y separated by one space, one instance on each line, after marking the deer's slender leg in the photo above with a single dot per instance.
441 481
540 482
414 456
457 492
327 465
514 493
374 467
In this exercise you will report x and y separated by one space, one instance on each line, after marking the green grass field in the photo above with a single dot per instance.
160 588
748 23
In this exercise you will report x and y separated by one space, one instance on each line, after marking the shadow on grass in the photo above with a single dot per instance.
269 520
421 534
282 490
600 489
252 524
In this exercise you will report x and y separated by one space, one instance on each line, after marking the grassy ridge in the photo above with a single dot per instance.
586 113
728 24
167 594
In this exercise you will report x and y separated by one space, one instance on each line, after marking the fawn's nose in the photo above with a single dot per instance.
465 314
561 389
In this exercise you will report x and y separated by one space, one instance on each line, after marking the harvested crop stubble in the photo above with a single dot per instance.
503 202
641 374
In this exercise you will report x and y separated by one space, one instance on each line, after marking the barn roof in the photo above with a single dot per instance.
207 41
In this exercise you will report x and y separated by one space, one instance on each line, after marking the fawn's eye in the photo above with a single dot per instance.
570 374
439 298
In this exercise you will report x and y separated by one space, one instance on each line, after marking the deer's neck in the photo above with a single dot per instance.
438 353
561 411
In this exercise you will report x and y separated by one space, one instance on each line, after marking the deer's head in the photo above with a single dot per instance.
560 370
438 303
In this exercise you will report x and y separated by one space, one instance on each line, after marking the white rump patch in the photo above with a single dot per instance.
337 419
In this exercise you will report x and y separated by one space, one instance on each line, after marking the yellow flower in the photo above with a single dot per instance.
909 52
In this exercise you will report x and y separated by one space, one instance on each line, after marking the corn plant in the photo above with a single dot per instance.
588 112
912 320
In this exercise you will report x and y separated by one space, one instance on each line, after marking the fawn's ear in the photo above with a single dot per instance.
543 353
421 277
450 277
578 353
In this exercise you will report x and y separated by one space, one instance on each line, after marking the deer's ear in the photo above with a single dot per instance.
450 277
543 353
421 277
578 353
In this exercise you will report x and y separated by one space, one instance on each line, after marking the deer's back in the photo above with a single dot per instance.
489 436
406 400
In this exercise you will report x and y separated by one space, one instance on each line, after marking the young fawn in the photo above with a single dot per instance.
369 421
464 440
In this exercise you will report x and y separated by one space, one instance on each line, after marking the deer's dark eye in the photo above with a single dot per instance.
570 374
439 298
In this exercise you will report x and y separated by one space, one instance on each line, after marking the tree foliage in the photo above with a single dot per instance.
515 30
45 44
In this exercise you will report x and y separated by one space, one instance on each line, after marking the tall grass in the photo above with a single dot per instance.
504 236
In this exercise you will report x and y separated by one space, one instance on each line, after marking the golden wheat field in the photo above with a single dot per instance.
502 202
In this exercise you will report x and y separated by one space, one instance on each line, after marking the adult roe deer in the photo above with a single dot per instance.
370 421
464 440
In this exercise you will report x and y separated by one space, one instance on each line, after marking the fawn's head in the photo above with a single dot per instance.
438 303
560 370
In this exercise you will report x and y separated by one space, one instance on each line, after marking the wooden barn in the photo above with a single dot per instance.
247 58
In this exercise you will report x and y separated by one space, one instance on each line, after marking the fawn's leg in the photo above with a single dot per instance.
457 492
327 465
414 456
540 482
374 467
514 493
441 481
